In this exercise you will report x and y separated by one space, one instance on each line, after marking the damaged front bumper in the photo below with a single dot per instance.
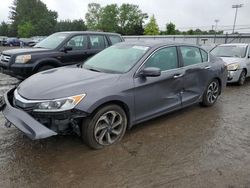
29 123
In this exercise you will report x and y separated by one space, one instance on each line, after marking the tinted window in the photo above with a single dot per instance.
98 42
190 55
115 39
204 56
79 42
164 59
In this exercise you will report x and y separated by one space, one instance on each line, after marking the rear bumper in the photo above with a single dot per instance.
23 121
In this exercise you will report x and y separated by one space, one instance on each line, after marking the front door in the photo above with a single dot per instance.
157 95
79 52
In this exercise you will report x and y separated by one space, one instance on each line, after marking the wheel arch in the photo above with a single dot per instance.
119 103
44 62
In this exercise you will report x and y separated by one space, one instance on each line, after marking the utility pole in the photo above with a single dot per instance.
216 24
237 6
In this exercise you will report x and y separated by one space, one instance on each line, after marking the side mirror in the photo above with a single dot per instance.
248 56
150 72
67 48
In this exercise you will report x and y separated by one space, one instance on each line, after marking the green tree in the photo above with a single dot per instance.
24 13
4 29
170 29
25 29
131 19
93 16
151 28
109 18
68 25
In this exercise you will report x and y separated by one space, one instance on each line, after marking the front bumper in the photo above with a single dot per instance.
17 70
23 121
233 76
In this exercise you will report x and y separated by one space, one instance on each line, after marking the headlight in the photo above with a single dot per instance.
23 58
58 105
233 66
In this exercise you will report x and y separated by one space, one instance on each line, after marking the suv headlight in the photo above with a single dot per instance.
58 105
23 58
233 66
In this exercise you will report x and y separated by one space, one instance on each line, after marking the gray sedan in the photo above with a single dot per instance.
119 87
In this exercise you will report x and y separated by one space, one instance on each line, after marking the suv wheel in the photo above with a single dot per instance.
211 94
242 78
106 127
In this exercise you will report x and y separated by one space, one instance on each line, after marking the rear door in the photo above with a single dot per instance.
157 95
79 52
197 73
97 43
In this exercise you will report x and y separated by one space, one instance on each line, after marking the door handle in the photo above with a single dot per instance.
207 67
178 75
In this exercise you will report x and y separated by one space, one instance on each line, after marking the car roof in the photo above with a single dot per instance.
89 32
235 44
154 44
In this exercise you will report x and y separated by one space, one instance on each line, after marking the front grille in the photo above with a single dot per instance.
5 58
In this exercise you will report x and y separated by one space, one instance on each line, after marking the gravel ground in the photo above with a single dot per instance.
194 147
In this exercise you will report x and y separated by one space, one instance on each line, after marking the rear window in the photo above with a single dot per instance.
115 39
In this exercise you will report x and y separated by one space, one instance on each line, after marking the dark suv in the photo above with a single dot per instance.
59 49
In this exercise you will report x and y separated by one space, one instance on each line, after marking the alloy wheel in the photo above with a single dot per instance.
108 128
212 92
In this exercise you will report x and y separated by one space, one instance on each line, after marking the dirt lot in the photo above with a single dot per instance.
194 147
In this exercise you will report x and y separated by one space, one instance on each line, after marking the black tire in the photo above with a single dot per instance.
242 78
211 93
98 130
44 67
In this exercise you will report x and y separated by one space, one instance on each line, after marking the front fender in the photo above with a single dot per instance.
46 61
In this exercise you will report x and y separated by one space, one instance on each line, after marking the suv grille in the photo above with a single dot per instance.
5 58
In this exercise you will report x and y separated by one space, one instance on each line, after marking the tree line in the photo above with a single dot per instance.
33 18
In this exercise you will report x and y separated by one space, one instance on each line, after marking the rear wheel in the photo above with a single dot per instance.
242 77
106 127
211 94
45 67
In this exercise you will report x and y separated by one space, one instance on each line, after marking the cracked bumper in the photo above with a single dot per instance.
23 121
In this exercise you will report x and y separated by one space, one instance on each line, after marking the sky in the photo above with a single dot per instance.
185 14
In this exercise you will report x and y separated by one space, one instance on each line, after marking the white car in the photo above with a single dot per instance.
237 58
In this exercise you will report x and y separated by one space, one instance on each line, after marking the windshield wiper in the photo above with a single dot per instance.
92 69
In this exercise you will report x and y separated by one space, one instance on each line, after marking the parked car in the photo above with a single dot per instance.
27 42
237 57
57 50
2 40
119 87
12 42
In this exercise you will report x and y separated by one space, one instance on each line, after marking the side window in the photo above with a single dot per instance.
79 42
98 41
248 51
191 55
114 39
204 55
164 59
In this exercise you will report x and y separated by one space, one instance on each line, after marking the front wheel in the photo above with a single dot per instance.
211 94
242 78
106 127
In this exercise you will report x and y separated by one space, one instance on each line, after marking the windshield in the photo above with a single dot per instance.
116 59
229 51
52 41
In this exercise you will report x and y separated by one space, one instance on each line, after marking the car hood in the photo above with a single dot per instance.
24 51
64 82
230 60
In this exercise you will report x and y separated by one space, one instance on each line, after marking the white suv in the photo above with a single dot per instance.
237 58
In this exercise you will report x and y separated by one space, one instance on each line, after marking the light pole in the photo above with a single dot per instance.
215 28
236 11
